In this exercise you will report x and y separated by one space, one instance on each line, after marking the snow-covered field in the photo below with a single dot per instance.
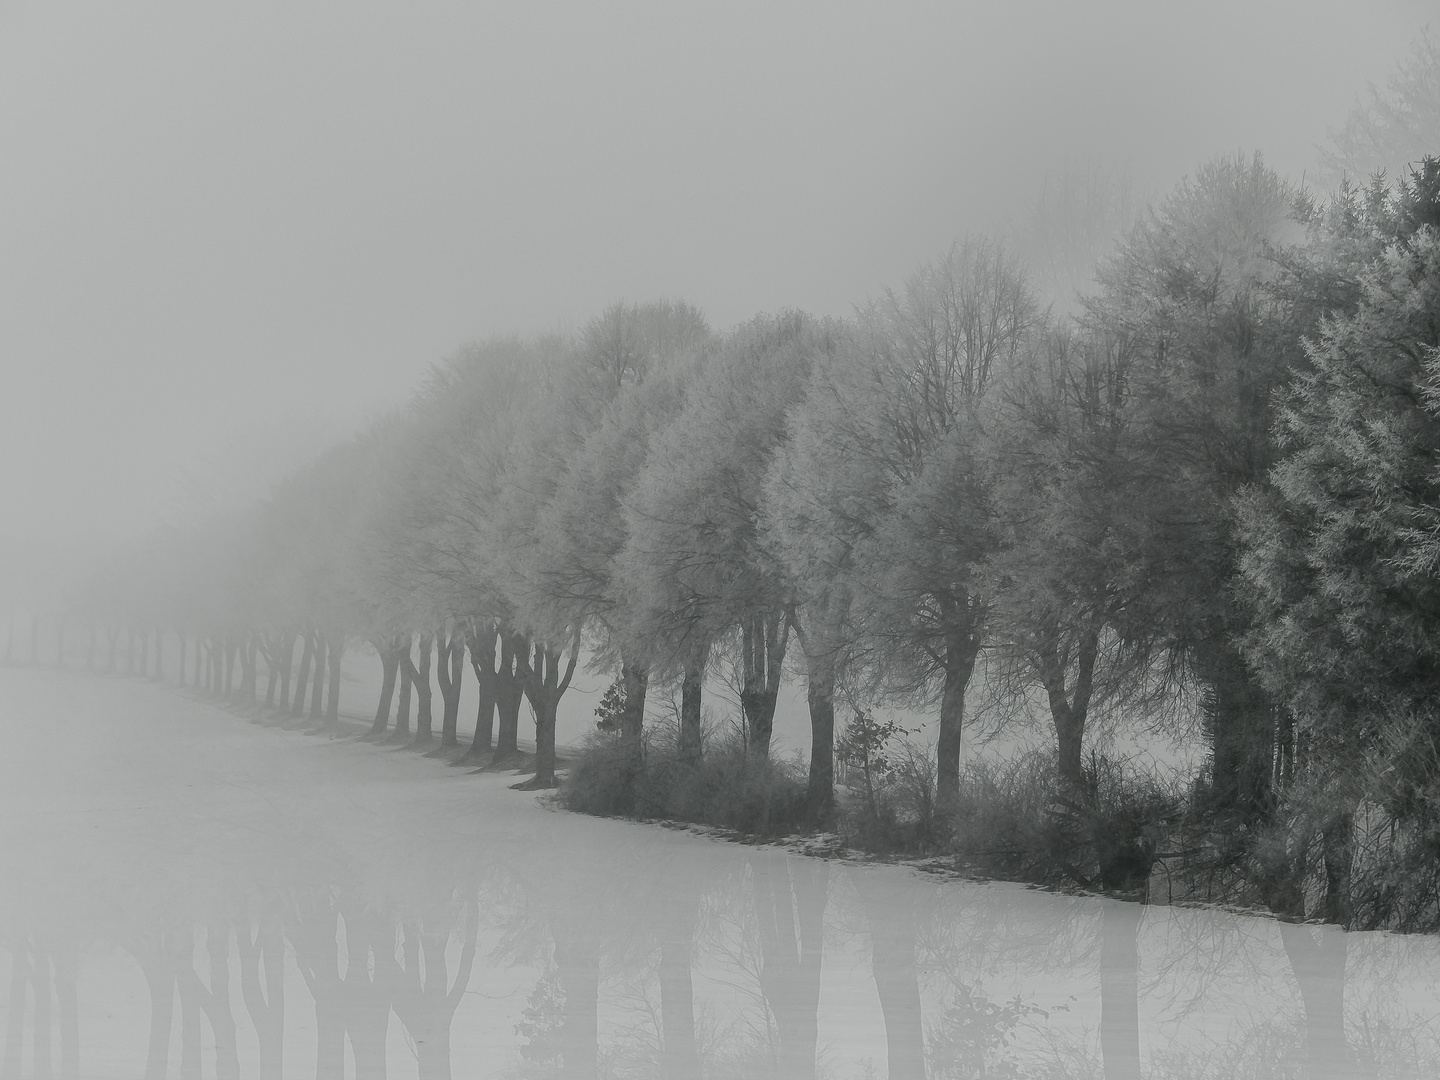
183 893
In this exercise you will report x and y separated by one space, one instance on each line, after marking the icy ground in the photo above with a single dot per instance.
183 893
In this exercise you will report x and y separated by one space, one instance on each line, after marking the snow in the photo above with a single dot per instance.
135 818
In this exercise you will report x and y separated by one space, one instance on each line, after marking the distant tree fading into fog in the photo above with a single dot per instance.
1078 214
1392 129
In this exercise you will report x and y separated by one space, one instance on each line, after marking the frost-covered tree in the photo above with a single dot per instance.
1341 554
1063 576
695 561
624 381
1393 129
920 408
1194 294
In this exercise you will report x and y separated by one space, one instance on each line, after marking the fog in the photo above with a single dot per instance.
216 219
719 541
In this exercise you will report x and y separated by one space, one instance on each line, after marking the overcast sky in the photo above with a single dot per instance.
220 219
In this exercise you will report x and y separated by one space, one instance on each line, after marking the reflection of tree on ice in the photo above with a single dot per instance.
1317 958
212 1000
1120 989
897 980
52 973
426 1006
263 949
790 899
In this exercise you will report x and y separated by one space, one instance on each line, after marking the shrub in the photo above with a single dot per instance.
896 810
729 788
1005 823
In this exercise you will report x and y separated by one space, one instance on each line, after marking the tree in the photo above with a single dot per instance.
906 493
1194 294
695 559
624 381
1340 550
1394 129
1061 579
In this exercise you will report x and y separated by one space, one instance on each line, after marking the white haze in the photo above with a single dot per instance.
215 217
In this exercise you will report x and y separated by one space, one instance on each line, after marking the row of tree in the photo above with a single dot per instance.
1210 491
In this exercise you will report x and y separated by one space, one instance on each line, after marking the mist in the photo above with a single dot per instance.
712 542
215 220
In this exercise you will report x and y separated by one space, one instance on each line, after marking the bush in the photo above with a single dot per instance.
898 812
1014 820
1006 825
728 787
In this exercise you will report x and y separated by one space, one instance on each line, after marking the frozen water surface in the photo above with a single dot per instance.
183 893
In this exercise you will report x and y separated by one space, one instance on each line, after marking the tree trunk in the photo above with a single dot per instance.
763 640
269 652
961 652
420 676
449 663
60 643
183 642
159 675
287 662
820 789
1242 734
318 691
545 743
545 686
691 736
692 683
636 681
337 658
481 640
402 710
389 668
302 682
514 649
246 654
1337 848
1069 712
